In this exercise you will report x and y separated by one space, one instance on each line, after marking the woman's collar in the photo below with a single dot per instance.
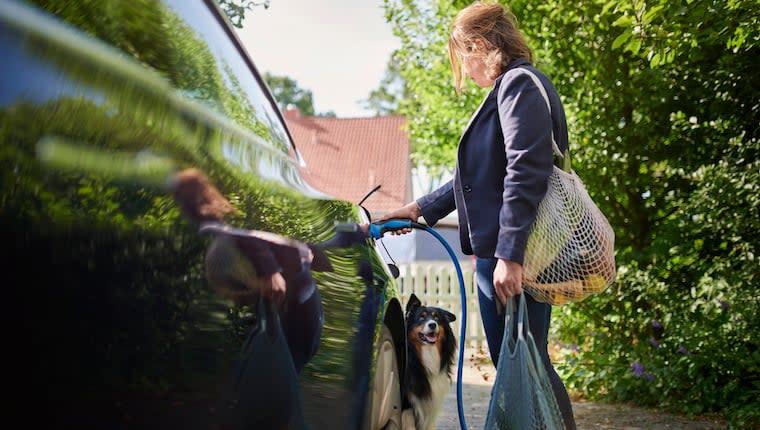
512 65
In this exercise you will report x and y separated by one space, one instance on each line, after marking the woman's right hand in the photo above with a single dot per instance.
273 287
409 211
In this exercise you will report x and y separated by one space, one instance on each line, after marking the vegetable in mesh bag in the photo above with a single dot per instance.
570 251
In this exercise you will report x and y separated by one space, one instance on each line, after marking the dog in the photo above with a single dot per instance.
431 348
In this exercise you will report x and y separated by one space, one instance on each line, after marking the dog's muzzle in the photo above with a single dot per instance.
429 334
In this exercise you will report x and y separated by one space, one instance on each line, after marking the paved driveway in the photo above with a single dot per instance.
477 377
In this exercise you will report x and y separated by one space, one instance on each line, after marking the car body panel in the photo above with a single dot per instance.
124 331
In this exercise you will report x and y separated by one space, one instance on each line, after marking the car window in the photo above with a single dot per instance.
241 96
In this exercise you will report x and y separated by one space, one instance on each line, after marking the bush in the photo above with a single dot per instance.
682 333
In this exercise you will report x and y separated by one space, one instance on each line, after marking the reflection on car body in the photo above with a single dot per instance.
99 103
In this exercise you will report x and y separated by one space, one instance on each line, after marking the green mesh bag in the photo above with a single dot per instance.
522 396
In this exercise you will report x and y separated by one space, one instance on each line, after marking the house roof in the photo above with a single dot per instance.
348 157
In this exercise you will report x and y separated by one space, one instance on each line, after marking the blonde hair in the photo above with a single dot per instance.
488 29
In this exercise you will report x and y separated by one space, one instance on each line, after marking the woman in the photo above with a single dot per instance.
504 160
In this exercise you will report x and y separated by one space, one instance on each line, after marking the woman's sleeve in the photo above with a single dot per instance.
437 204
260 254
527 128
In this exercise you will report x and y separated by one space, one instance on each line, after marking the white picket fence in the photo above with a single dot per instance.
437 284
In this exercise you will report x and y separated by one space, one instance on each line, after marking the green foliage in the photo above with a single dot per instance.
435 115
236 9
663 109
625 114
385 99
287 92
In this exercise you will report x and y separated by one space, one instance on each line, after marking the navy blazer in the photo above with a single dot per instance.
503 164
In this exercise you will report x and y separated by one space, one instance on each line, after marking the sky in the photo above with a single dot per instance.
337 49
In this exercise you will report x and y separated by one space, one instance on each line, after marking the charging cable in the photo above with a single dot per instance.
376 231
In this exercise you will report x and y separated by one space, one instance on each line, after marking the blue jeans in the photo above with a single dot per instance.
539 316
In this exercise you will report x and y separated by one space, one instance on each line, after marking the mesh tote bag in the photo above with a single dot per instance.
570 251
522 396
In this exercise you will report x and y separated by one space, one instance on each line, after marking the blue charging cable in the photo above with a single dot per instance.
376 230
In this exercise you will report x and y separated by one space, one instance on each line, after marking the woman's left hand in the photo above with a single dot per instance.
507 279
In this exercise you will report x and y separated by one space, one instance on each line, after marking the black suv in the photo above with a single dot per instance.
112 322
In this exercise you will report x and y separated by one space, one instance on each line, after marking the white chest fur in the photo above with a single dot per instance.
426 410
431 359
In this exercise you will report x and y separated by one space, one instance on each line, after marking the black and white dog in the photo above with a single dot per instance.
431 347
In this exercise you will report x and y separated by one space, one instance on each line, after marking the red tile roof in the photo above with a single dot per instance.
348 157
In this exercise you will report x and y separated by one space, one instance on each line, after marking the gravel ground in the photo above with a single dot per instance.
476 389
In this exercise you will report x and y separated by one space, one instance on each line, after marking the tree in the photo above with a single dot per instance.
435 115
385 99
236 9
667 138
289 95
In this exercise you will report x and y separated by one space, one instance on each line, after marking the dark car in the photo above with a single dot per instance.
112 321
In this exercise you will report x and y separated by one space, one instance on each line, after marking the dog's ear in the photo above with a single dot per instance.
412 304
449 316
